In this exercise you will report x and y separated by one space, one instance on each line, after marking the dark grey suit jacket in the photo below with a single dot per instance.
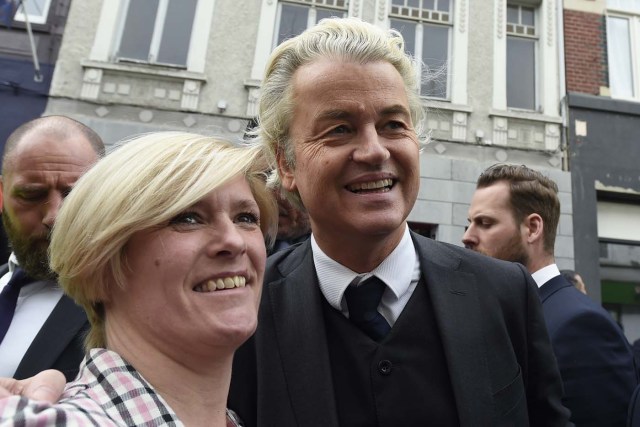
59 344
500 361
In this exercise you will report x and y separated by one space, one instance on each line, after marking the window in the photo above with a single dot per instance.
426 27
623 30
35 10
295 17
143 37
522 44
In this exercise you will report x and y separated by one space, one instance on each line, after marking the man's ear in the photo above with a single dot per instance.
535 227
286 172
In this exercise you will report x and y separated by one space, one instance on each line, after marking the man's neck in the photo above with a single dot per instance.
361 254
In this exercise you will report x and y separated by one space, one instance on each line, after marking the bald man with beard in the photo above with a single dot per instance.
42 160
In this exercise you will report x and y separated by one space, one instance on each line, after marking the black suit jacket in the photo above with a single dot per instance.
595 359
59 344
500 361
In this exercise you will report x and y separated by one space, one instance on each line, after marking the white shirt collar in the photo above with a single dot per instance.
397 271
545 274
13 262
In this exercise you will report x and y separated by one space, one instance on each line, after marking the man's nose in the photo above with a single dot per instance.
370 147
51 208
468 238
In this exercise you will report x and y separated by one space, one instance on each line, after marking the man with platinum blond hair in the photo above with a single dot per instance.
368 323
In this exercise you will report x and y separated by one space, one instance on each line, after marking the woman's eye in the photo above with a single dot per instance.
248 218
188 218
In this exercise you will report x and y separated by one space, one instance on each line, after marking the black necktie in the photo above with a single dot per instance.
363 302
9 297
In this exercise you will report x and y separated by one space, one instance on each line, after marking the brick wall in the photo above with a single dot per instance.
585 52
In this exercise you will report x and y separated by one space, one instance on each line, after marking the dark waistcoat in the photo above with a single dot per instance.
402 380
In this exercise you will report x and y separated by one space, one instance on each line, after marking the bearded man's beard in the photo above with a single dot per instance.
513 250
31 252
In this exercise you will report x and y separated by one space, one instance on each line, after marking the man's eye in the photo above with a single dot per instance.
32 196
248 218
186 218
339 129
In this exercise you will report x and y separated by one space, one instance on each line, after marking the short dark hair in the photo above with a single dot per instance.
56 124
529 192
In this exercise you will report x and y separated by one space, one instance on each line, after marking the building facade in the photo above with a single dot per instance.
493 81
603 82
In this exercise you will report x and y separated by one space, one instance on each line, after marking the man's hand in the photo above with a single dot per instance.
47 386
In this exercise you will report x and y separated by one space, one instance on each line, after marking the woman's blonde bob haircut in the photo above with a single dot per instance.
339 39
142 184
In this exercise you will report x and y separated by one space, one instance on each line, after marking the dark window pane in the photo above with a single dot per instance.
435 56
428 4
408 31
327 13
174 45
413 3
527 16
398 2
293 21
443 5
521 73
138 29
512 15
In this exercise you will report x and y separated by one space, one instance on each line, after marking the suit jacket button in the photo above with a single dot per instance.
385 367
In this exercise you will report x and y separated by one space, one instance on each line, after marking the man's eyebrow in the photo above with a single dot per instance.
334 115
395 109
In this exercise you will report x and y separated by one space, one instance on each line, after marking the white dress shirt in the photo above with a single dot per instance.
35 303
545 274
400 271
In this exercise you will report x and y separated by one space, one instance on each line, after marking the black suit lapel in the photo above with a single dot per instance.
58 332
296 305
456 307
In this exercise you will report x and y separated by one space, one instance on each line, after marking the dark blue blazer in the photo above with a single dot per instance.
595 359
59 344
488 313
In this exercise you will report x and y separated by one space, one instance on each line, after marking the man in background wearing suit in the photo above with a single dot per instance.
514 216
367 323
39 327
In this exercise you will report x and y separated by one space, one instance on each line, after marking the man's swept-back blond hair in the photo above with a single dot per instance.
340 39
142 184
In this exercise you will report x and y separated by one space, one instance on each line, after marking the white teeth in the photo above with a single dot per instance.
372 185
222 283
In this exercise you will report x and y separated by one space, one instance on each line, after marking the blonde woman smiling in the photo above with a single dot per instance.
163 244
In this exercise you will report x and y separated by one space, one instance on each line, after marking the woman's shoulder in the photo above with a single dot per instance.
76 410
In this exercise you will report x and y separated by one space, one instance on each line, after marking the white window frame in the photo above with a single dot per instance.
267 31
547 66
418 43
33 19
536 54
156 38
111 23
311 19
633 17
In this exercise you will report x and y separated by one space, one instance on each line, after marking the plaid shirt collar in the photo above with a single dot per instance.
123 393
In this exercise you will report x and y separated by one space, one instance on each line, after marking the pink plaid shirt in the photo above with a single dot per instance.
107 392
